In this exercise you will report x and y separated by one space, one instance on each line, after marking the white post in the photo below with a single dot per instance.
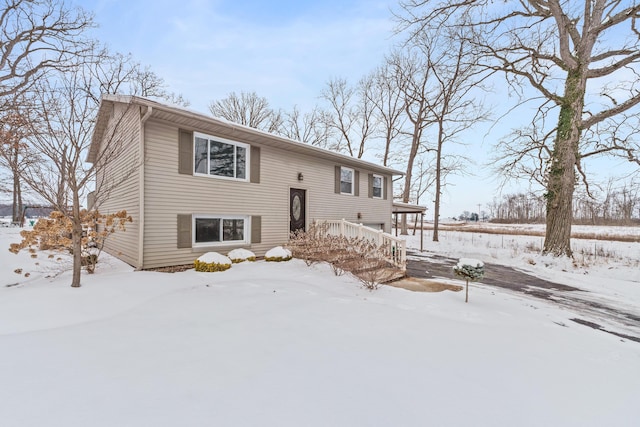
342 227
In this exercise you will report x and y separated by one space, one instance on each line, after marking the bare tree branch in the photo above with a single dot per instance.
39 35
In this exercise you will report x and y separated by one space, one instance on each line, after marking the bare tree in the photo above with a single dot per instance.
62 135
15 154
66 105
582 59
37 36
117 73
454 104
412 76
247 109
351 113
311 128
518 208
388 105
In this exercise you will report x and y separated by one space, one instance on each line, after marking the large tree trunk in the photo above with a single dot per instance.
562 173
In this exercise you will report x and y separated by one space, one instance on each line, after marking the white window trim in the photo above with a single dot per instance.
246 230
381 186
247 148
353 178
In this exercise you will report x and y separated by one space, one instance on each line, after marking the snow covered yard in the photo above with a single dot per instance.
282 344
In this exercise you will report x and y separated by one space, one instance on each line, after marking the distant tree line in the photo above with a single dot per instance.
611 205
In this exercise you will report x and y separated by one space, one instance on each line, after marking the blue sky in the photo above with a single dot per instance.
285 51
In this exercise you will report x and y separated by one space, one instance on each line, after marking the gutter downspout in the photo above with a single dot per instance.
144 118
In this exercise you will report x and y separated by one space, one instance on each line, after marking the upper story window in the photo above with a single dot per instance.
220 157
346 180
377 186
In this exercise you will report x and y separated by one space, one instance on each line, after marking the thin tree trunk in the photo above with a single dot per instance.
17 199
415 143
466 296
436 203
415 222
387 147
17 188
76 237
562 174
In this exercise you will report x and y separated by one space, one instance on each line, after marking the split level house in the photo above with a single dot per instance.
193 184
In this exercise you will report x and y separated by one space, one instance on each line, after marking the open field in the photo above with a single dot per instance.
591 232
520 246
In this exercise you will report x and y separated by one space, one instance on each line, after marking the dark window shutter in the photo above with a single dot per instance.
185 152
255 165
337 180
384 189
370 185
356 183
184 231
256 229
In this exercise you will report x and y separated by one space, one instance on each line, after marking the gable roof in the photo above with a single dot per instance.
218 127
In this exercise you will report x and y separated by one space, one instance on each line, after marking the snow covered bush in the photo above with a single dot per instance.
469 269
240 255
212 261
278 254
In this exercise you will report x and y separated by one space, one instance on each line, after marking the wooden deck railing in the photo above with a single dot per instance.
394 249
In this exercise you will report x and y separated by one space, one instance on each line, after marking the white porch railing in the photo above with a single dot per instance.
393 248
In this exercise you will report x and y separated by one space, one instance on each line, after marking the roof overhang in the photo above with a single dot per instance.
407 208
222 128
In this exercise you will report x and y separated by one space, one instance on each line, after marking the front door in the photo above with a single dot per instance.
297 209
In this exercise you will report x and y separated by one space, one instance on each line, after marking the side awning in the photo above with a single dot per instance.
407 208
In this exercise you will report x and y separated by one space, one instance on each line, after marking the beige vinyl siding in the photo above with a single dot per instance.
124 194
324 203
168 193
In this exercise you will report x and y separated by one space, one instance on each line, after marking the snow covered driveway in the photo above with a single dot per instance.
592 310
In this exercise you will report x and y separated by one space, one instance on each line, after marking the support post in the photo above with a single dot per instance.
421 231
396 224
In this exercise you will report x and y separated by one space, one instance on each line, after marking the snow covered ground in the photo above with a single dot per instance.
283 344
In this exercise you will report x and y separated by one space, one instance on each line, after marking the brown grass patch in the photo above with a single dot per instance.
172 269
523 232
423 285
